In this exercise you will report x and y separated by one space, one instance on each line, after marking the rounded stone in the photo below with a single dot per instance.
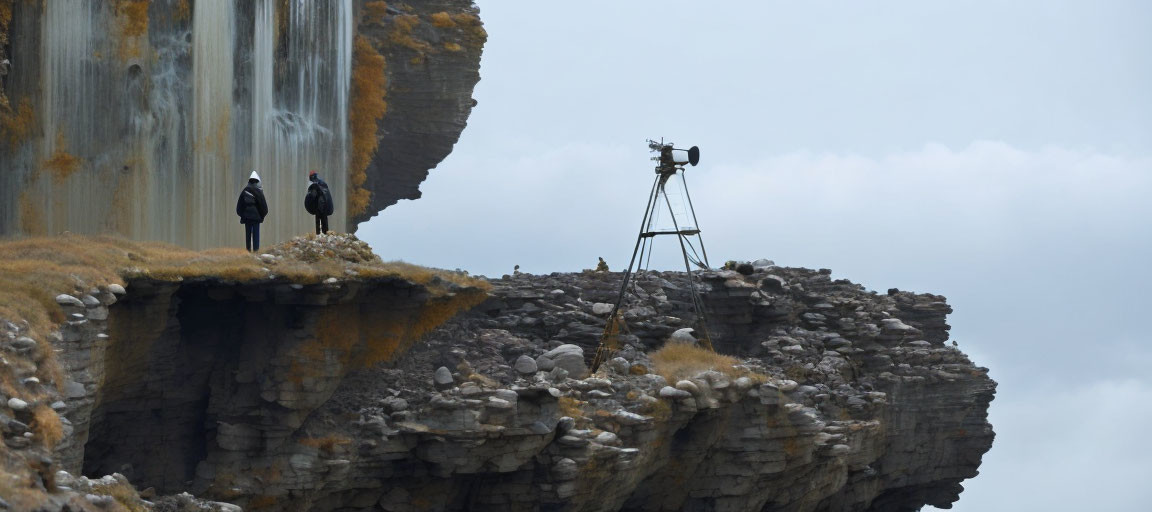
442 376
525 365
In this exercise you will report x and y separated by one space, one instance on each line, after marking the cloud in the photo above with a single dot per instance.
1080 447
1044 254
559 208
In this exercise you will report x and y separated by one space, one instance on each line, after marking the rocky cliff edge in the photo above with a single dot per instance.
315 395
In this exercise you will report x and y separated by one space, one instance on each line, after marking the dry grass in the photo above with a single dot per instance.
369 90
681 361
34 271
47 426
571 407
126 497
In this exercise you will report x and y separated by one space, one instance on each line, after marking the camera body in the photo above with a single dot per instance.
672 159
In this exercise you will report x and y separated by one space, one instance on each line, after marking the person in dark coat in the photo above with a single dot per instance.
318 202
252 208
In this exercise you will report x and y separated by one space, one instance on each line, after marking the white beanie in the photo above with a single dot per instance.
254 176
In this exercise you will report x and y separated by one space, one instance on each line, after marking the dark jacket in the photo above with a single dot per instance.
318 201
251 206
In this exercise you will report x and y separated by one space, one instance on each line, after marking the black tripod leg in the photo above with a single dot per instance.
603 350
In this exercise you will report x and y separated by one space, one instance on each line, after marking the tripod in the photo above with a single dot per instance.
645 241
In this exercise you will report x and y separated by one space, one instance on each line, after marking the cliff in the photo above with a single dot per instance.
367 391
145 118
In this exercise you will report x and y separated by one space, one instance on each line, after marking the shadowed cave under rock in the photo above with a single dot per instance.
191 359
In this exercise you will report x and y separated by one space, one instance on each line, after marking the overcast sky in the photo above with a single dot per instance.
998 153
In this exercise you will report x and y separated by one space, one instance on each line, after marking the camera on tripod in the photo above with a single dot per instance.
671 158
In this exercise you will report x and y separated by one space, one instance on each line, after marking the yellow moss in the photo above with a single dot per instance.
453 47
369 88
376 12
402 26
677 361
17 125
442 20
472 26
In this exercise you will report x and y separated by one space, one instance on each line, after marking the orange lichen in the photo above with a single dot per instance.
376 12
132 19
369 88
473 27
402 27
359 339
134 13
442 20
17 125
62 165
183 10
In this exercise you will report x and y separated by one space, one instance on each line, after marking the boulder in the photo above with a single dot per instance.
683 337
526 365
569 358
442 377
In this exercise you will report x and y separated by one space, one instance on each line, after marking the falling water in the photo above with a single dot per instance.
157 141
215 179
304 127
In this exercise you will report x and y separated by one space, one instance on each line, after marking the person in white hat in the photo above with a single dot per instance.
252 208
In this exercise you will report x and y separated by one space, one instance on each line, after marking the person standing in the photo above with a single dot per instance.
318 202
252 208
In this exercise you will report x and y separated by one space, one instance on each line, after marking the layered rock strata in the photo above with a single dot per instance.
258 394
846 400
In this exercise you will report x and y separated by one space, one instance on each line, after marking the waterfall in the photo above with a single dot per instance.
301 123
152 133
215 181
67 114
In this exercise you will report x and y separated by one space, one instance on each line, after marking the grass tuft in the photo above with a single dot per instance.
677 361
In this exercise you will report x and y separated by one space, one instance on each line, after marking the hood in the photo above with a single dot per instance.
254 176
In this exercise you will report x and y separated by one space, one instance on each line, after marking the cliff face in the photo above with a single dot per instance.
145 118
838 399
